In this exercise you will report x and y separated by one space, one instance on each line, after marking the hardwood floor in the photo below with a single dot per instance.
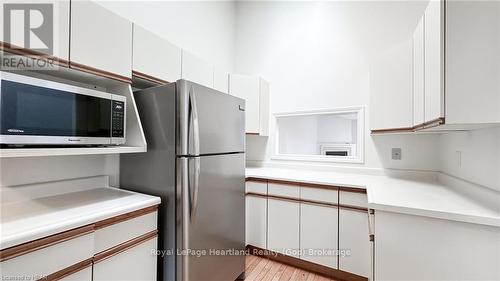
258 268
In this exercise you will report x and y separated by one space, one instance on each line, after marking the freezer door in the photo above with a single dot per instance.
212 218
209 122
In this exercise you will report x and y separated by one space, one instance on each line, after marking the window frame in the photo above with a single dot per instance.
360 145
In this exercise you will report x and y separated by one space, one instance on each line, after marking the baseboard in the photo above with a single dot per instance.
306 265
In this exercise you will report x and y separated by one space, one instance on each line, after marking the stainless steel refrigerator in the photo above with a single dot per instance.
196 163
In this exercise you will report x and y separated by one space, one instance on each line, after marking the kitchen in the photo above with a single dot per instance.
370 150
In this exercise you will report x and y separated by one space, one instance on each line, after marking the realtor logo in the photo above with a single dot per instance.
29 26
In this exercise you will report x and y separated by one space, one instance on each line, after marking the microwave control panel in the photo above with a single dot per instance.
118 117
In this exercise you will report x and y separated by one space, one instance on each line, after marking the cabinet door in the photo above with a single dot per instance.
319 231
136 263
196 70
82 275
354 238
221 80
100 39
418 73
60 39
256 221
283 219
248 88
155 56
434 55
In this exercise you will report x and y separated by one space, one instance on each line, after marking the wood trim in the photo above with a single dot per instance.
68 271
426 125
306 265
284 198
352 189
124 246
98 72
322 186
255 179
41 243
125 217
148 78
13 49
353 208
319 203
252 134
260 195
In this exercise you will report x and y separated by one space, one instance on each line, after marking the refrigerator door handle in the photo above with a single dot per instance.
194 118
196 185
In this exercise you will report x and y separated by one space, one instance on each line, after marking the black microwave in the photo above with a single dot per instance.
39 112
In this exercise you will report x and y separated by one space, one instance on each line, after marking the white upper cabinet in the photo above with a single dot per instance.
60 43
197 70
100 40
434 61
472 62
391 88
255 91
418 74
221 80
155 57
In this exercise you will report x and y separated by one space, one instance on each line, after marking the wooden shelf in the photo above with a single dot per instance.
61 151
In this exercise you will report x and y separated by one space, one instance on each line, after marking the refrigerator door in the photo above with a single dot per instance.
211 220
209 122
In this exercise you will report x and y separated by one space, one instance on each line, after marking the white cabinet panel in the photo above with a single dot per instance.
196 70
419 248
354 237
286 190
155 56
118 233
418 73
50 259
136 263
358 199
319 194
61 9
472 62
256 187
82 275
391 88
221 80
256 93
256 221
100 39
319 231
434 60
283 227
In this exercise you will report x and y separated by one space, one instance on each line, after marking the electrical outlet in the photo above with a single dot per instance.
396 154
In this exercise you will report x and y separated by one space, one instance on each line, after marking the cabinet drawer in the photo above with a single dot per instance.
82 275
109 235
285 190
256 187
353 199
48 255
319 194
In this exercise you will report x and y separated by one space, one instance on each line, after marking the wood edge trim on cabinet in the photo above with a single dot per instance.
44 242
10 48
254 194
352 189
316 185
99 72
124 246
353 208
148 78
68 270
283 198
252 134
319 203
305 265
426 125
255 179
125 217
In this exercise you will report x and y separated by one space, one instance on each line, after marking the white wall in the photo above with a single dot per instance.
205 28
317 55
480 156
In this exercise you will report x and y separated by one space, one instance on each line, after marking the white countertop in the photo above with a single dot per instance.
414 195
24 221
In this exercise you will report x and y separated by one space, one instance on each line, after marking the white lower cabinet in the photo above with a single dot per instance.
136 263
283 227
354 241
318 234
256 221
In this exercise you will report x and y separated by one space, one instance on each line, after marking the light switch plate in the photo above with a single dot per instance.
396 154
